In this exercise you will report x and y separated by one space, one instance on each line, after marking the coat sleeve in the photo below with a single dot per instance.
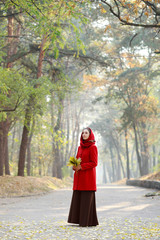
93 159
77 156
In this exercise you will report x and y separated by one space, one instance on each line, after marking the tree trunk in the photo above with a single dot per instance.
29 158
16 40
1 150
6 128
54 165
54 169
127 154
145 163
12 143
104 173
62 149
7 170
137 150
133 172
24 141
4 125
29 149
120 164
75 132
57 163
109 171
154 155
10 36
68 131
26 128
77 135
113 167
39 162
158 158
74 121
4 159
118 168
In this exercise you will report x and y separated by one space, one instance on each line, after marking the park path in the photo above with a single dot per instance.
123 213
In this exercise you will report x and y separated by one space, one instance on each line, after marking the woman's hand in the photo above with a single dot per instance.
77 168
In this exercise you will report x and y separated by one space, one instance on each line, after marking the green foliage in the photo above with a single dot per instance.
51 19
60 138
4 88
65 171
40 94
133 93
3 116
14 90
157 167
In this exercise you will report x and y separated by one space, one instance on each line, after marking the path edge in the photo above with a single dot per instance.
143 183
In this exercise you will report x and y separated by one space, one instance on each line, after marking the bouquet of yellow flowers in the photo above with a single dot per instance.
74 162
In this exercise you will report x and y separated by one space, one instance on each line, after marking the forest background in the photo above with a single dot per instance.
65 65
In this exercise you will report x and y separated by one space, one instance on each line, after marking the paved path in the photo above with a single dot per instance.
123 212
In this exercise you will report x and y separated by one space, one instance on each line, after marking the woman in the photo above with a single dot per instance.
83 205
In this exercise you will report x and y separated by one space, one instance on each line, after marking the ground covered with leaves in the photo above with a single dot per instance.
152 176
11 186
124 212
111 228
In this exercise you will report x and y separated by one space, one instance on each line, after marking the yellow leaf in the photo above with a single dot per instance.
103 10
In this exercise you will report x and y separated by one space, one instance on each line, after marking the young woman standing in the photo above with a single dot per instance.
83 204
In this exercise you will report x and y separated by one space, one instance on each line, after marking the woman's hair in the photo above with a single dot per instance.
89 130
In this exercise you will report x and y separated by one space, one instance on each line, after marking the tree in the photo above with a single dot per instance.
135 13
12 98
140 108
28 116
49 20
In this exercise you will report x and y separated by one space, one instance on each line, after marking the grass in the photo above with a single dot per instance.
152 176
15 186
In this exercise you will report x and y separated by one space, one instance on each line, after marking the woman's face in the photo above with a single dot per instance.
85 134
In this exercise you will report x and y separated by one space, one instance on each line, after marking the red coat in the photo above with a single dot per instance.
85 179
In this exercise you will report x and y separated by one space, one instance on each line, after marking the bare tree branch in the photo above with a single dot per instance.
117 8
153 6
13 109
10 15
23 9
132 39
125 22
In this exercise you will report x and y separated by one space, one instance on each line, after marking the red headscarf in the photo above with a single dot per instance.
90 141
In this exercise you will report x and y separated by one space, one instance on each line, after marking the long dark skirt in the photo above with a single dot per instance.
83 209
